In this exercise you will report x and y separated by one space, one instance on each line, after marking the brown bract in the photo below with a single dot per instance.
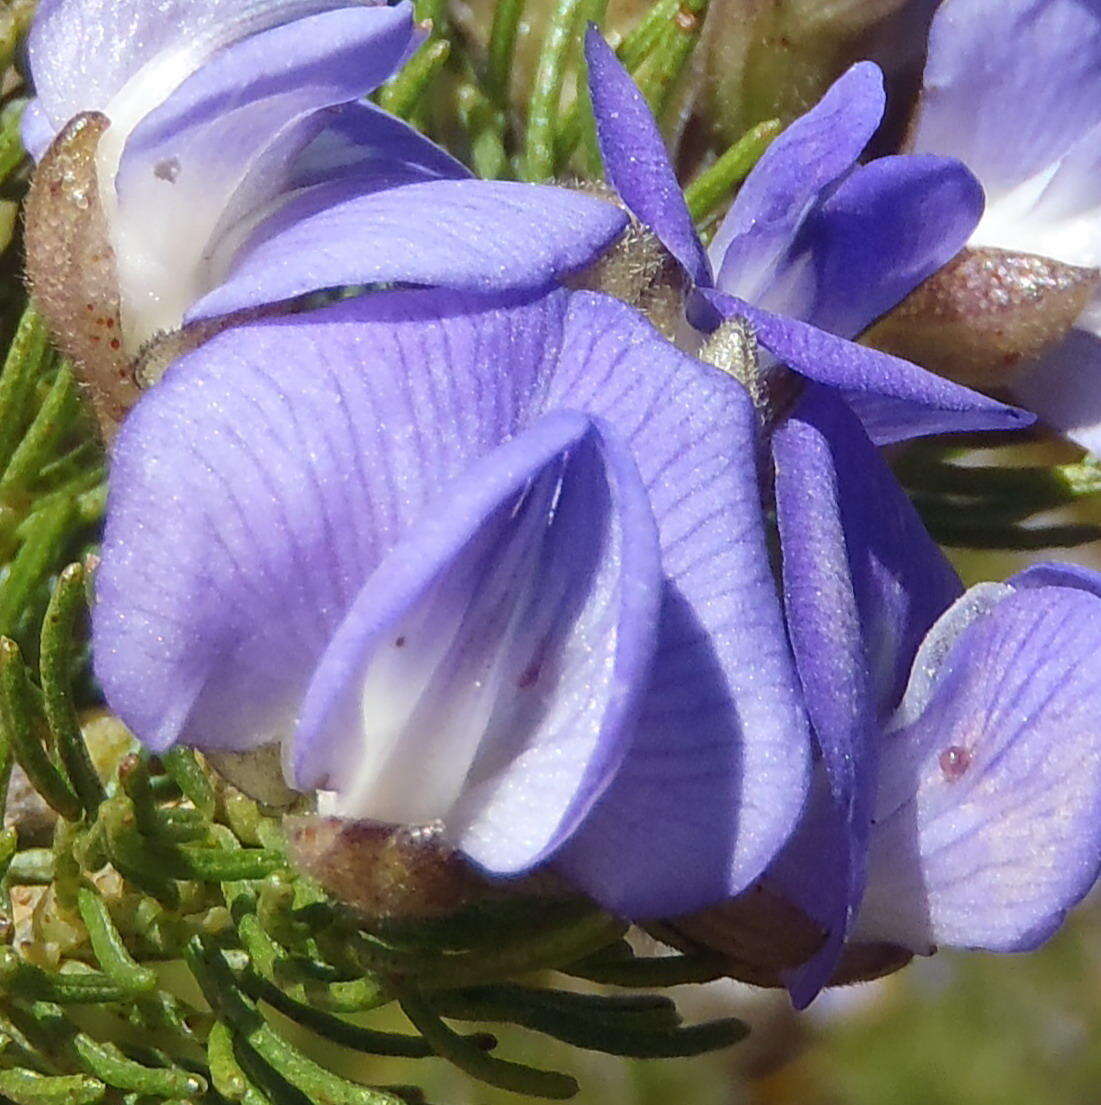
387 873
762 937
984 317
71 268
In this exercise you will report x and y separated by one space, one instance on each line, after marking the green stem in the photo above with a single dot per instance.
25 730
543 110
57 663
502 47
714 185
403 94
109 947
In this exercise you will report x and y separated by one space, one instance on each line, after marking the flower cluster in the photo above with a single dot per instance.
567 535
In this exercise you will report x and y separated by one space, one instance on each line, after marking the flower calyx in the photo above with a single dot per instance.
71 267
984 317
763 938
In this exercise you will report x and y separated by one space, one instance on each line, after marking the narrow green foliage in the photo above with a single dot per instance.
593 1022
25 730
668 57
27 357
12 154
110 948
647 33
24 980
502 46
981 533
43 536
54 417
342 1031
225 1072
113 1068
185 772
716 184
672 970
32 867
403 94
215 978
467 1057
485 126
988 506
543 111
24 1087
58 663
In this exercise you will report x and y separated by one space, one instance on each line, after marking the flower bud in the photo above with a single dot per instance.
982 318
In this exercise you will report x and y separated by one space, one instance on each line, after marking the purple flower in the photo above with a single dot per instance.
500 564
813 249
987 812
1013 87
242 167
990 700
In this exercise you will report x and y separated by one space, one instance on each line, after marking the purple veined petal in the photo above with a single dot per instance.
1059 575
826 878
989 818
1064 386
191 154
83 53
750 249
472 235
250 500
636 160
489 671
1010 86
359 138
354 149
1055 214
719 766
863 582
895 400
886 228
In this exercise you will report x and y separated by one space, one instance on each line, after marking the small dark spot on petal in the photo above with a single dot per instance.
530 675
168 169
399 643
954 762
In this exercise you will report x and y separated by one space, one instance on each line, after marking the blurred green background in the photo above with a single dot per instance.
957 1029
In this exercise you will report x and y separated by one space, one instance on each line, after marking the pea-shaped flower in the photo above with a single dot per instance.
488 564
814 247
956 794
202 157
1013 87
980 799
